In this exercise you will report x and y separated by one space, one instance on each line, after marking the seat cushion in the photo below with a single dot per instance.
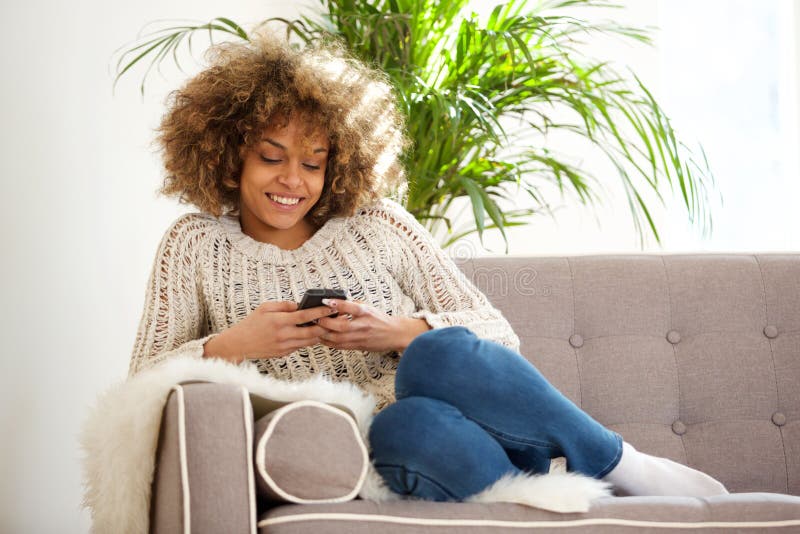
739 512
309 452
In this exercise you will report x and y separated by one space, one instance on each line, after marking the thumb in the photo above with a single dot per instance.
278 306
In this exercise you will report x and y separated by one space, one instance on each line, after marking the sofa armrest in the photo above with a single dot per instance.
203 480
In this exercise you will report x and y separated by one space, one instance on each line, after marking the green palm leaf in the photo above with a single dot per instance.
462 82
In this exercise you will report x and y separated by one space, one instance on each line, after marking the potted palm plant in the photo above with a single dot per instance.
477 90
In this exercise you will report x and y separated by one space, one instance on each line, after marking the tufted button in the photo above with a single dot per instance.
673 336
576 340
771 331
779 419
679 428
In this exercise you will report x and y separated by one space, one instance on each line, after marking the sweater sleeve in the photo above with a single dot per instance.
173 319
441 292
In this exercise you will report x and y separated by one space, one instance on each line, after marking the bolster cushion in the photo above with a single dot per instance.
309 452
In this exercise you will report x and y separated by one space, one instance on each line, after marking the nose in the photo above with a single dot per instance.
291 178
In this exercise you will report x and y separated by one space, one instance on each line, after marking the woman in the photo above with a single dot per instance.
288 156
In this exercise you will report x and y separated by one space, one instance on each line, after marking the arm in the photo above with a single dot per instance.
442 293
222 346
411 328
172 322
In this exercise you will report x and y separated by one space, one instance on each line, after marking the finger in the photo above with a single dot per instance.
332 338
337 324
313 332
341 340
353 307
311 314
278 306
306 336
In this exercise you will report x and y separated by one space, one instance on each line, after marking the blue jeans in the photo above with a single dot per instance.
469 411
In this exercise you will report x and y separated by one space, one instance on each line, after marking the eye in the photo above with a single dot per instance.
268 160
311 167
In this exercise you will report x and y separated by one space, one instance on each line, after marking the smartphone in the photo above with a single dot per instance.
313 297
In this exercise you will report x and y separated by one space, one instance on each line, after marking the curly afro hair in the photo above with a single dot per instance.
220 113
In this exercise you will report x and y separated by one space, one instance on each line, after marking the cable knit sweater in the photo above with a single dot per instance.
208 275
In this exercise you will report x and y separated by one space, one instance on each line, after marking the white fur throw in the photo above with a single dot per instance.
119 439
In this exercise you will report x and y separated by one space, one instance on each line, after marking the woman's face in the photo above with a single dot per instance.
282 179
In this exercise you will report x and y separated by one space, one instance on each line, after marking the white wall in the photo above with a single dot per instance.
729 77
81 225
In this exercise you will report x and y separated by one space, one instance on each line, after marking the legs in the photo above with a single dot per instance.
470 411
427 448
508 397
482 385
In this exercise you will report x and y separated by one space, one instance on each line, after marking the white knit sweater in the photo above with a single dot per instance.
208 275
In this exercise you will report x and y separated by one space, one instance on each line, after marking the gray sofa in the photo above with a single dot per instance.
693 357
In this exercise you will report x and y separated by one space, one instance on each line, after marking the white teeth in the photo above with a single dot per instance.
284 200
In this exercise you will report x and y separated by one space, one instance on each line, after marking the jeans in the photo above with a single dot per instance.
469 411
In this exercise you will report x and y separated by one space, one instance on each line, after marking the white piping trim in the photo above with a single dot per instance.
521 524
261 456
248 429
187 515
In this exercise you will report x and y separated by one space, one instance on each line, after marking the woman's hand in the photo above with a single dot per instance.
360 326
269 331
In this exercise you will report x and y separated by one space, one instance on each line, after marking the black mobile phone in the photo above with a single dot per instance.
313 297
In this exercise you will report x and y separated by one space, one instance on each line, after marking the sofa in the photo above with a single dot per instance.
692 357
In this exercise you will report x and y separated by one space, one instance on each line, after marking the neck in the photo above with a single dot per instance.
286 239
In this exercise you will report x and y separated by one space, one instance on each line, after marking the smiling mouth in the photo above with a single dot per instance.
285 201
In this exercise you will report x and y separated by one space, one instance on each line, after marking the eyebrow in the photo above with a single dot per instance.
277 144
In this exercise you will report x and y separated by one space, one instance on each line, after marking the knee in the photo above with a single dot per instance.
410 429
431 353
438 340
417 433
427 448
406 441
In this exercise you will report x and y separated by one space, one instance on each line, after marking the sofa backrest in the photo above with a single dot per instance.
693 357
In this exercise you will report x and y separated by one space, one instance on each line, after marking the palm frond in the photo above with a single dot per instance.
160 43
462 80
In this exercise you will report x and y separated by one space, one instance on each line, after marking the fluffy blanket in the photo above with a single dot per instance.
119 439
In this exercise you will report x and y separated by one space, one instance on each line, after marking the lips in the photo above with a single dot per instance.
284 201
284 196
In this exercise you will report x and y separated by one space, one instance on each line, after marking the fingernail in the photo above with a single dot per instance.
329 302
